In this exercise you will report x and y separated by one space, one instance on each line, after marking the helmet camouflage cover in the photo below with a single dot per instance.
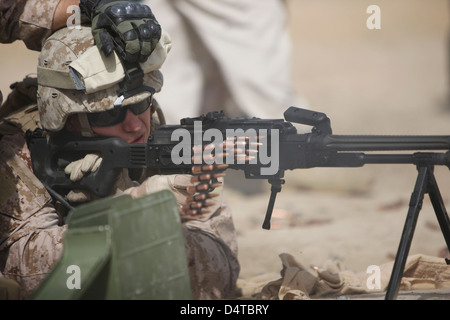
75 77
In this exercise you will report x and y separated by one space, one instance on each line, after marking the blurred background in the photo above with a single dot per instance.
373 81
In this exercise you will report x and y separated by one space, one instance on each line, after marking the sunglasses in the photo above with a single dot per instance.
117 114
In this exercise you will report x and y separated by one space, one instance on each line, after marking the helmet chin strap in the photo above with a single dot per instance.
132 84
86 130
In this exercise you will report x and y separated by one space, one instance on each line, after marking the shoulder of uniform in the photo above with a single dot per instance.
19 112
26 118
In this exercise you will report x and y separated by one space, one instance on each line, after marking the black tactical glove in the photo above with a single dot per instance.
128 27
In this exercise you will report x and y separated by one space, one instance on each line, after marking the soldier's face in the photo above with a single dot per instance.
133 129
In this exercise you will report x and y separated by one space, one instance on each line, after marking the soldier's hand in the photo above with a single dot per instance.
77 170
128 27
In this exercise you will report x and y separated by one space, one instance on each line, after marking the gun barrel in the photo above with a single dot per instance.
416 158
385 143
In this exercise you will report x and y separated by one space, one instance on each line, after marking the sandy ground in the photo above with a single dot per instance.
388 81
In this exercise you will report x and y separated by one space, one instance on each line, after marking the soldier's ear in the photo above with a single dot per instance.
73 124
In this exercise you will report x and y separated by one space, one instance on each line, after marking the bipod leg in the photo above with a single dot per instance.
415 205
439 209
276 187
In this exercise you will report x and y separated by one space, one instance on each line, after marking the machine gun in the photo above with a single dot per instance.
278 148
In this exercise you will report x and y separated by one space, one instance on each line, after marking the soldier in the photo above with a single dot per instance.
30 232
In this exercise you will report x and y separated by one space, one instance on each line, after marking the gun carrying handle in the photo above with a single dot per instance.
304 116
316 119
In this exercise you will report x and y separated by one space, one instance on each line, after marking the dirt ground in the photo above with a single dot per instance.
389 81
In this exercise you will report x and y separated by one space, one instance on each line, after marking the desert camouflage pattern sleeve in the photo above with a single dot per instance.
26 20
30 235
211 250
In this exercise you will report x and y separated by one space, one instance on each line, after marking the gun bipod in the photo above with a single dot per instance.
425 183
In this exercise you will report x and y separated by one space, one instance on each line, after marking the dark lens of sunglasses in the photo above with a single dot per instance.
117 115
140 107
107 118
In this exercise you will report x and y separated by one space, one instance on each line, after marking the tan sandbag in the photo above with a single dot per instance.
298 282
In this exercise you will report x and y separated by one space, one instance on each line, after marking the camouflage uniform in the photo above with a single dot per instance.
26 20
31 238
29 228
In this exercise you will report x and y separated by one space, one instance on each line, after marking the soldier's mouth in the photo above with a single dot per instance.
140 139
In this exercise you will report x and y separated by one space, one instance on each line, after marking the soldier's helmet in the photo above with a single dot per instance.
74 77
